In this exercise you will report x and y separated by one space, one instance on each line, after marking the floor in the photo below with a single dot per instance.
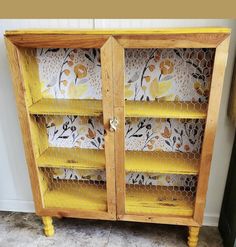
25 230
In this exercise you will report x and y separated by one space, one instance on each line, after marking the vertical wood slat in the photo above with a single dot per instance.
20 94
119 104
210 129
107 102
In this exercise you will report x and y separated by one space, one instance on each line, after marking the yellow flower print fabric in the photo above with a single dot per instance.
87 175
74 131
169 135
168 74
151 74
70 73
145 134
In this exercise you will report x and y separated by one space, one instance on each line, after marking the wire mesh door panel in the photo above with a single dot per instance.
166 98
72 167
67 125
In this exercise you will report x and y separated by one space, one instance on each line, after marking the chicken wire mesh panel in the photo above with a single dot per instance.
68 128
162 162
168 134
73 189
160 194
168 74
72 161
166 93
75 131
67 73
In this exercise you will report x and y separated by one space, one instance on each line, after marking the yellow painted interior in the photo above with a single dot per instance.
161 162
75 195
30 73
74 158
67 107
155 109
144 200
39 136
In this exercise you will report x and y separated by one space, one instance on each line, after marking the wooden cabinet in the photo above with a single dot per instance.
119 125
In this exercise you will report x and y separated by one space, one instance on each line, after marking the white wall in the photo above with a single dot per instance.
15 191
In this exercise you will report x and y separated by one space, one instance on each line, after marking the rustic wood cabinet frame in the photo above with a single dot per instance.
112 44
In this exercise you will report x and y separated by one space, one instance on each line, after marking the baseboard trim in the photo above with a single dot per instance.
17 206
211 220
28 207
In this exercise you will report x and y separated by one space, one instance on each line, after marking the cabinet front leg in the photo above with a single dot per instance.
48 226
193 236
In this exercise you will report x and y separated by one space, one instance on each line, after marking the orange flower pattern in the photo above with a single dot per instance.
151 74
169 74
170 135
144 134
73 131
70 73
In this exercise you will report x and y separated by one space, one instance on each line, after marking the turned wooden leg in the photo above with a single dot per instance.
193 236
48 226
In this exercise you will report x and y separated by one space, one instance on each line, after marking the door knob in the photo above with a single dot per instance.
113 124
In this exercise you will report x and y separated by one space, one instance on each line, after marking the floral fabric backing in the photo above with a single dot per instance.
151 74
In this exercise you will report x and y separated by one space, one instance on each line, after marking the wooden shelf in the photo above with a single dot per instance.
147 200
67 107
161 162
155 109
75 195
74 158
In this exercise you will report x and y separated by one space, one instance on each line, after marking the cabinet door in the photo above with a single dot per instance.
164 88
66 102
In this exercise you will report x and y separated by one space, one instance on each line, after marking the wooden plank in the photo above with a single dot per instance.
173 220
75 195
195 40
161 162
121 31
67 107
157 200
119 104
210 129
73 158
167 109
19 88
107 101
58 40
74 213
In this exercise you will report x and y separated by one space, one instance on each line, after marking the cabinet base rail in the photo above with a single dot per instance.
192 237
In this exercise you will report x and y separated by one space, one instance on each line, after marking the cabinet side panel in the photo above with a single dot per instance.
39 135
210 129
20 92
29 70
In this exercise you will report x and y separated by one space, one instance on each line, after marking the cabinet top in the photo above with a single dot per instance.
191 30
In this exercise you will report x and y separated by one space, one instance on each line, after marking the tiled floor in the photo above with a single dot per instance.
25 230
